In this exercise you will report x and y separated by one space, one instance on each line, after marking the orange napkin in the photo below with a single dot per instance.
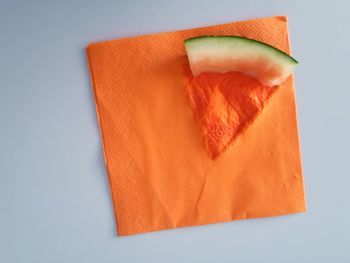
160 174
225 105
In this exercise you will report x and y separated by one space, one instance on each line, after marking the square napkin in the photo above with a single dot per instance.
160 174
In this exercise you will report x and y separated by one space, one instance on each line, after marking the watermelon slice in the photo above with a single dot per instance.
221 54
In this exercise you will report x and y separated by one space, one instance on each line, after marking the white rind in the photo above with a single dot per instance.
213 50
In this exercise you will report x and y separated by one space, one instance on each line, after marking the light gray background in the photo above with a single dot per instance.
55 204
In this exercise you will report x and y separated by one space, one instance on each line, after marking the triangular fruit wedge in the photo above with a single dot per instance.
229 81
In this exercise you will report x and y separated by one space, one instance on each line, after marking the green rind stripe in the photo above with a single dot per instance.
194 40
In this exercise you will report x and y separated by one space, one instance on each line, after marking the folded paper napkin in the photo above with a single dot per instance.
161 175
